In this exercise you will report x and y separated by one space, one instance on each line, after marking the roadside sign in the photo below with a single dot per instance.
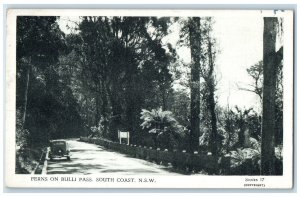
124 135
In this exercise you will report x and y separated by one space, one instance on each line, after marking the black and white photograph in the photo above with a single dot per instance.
123 98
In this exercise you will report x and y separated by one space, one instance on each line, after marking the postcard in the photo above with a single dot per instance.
149 98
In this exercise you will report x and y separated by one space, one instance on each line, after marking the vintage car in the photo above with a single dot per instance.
59 149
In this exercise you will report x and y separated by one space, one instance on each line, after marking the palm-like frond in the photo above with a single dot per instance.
157 119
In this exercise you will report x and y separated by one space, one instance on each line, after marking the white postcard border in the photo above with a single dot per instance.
181 181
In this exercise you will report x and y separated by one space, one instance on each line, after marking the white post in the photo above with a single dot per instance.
127 138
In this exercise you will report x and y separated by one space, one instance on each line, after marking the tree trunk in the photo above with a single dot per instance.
97 117
269 90
214 132
116 109
214 139
26 94
195 43
104 108
164 99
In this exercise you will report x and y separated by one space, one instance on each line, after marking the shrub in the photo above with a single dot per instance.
163 126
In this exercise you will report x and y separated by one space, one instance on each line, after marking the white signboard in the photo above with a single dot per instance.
124 135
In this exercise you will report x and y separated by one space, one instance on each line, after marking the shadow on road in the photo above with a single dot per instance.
94 159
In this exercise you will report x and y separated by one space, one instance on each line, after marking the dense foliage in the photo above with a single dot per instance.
119 74
46 107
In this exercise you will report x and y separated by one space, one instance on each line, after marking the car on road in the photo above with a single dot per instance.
59 149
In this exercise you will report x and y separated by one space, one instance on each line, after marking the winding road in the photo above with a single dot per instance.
94 159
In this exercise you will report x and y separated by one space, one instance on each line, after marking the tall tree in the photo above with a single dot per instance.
125 68
195 44
269 95
214 139
43 96
38 43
